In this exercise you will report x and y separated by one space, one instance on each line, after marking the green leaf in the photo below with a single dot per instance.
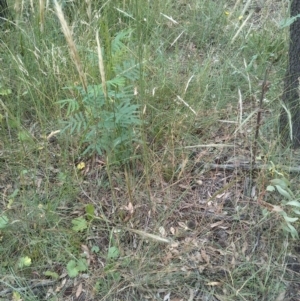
287 22
294 203
113 253
24 136
293 231
296 211
95 249
283 182
270 188
79 224
290 219
4 92
16 296
14 194
72 268
82 265
283 192
24 262
53 275
90 211
3 221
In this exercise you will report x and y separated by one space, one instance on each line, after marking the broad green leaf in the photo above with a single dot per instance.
290 219
4 92
90 211
24 262
24 136
270 188
82 265
3 221
283 192
53 275
113 253
282 182
79 224
72 268
95 249
16 296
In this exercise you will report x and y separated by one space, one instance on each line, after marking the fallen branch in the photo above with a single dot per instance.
42 283
251 167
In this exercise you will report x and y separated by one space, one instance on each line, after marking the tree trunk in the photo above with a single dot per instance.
291 85
3 9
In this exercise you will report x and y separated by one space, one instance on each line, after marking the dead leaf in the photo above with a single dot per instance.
79 290
167 258
183 165
87 254
130 208
149 235
216 224
53 133
245 247
281 296
162 231
183 225
205 256
167 297
214 283
221 298
192 295
59 287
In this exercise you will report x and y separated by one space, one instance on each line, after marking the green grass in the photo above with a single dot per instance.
85 181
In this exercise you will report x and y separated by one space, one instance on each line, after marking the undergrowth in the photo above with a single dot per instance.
113 117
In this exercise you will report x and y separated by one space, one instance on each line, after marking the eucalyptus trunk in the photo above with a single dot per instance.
291 84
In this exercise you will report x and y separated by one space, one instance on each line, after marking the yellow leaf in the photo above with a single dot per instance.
10 202
81 165
16 296
24 261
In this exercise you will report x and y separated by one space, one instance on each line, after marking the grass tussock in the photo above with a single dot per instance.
133 166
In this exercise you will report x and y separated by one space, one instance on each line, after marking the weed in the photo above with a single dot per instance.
103 116
289 207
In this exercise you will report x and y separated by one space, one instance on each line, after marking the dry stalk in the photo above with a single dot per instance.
42 14
264 89
101 66
72 47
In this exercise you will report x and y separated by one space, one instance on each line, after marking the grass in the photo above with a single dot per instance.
140 215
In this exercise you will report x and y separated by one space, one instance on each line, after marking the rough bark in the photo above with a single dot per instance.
291 86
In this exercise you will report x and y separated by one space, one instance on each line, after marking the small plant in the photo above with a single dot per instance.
3 221
289 204
24 262
75 267
103 116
